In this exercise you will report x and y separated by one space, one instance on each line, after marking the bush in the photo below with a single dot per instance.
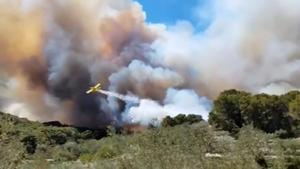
106 152
61 154
180 119
30 143
293 163
168 122
86 158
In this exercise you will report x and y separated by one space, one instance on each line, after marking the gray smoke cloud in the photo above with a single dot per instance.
145 80
73 45
51 52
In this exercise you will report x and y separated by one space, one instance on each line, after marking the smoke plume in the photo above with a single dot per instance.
247 45
51 52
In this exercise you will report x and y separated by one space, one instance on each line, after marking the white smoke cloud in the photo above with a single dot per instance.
277 88
20 110
176 102
244 46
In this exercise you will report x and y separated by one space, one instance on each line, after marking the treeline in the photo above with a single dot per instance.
180 119
273 114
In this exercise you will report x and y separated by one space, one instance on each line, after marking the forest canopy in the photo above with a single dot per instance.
234 109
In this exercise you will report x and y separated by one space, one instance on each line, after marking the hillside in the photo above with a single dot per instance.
22 140
26 144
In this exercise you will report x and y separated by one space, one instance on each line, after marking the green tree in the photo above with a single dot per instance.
180 119
192 118
227 110
294 107
288 97
294 113
234 109
268 113
168 122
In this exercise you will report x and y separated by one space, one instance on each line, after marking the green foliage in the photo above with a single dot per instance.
105 152
62 154
22 141
294 107
260 147
288 97
56 136
186 146
30 142
292 150
86 158
227 111
180 119
294 112
168 121
235 109
268 113
192 118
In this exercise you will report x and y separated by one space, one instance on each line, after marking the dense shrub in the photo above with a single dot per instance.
180 119
30 142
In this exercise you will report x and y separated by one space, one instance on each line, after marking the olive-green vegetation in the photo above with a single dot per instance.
180 119
182 142
22 140
273 114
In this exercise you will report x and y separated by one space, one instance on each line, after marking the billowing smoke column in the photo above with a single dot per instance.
252 46
51 52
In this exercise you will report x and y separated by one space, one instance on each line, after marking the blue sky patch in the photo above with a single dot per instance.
171 11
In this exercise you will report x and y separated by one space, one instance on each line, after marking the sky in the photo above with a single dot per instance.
171 11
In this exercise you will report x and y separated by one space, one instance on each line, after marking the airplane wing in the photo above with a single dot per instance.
98 85
89 91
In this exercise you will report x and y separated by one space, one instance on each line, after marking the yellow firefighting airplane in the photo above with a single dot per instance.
94 89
